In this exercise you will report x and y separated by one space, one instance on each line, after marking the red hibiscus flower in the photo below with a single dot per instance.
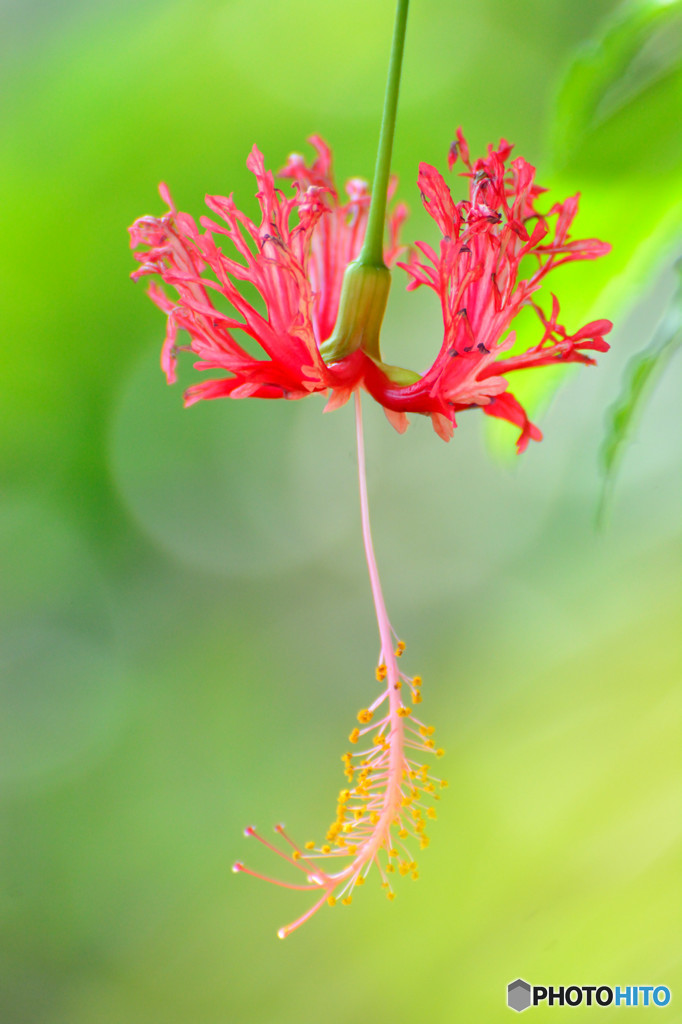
296 258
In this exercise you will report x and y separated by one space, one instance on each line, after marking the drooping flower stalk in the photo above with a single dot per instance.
384 802
367 279
372 252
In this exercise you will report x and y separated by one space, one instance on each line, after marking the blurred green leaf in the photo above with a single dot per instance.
639 378
618 105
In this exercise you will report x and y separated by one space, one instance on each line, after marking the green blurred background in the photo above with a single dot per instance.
187 627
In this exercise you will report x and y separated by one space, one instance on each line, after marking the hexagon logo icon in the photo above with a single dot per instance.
518 995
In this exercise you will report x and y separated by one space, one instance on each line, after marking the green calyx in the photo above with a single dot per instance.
364 295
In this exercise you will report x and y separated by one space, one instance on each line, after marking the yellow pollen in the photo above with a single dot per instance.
423 842
415 875
393 852
347 900
352 849
374 818
310 845
399 648
431 814
365 716
416 698
359 880
354 736
403 712
331 900
326 849
429 743
390 867
444 783
440 752
296 855
417 681
390 895
402 834
381 673
397 685
426 730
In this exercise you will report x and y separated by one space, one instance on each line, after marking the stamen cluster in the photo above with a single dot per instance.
386 804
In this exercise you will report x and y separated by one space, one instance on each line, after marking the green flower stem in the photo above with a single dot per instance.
372 252
367 279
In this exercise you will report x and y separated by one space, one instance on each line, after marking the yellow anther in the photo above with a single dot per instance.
444 783
429 743
393 852
347 900
340 841
374 818
379 740
354 736
326 849
344 795
359 880
331 900
365 716
403 712
416 698
310 845
417 681
384 885
440 752
415 875
400 647
404 868
296 855
381 673
431 814
397 685
424 842
352 849
347 827
390 895
429 788
402 834
390 867
358 813
427 730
